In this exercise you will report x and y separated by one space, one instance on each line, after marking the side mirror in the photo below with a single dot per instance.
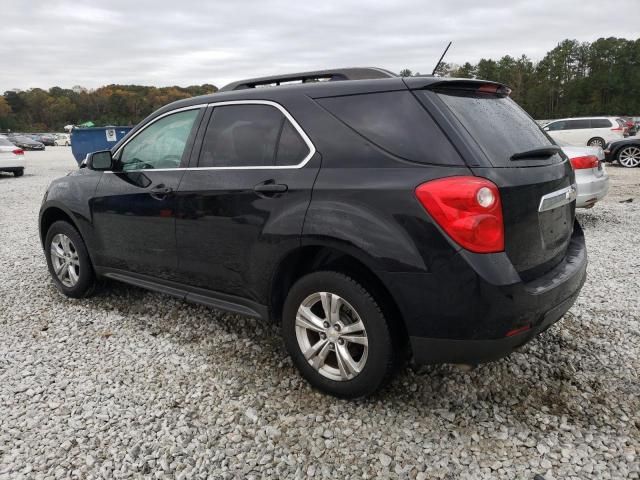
99 161
546 129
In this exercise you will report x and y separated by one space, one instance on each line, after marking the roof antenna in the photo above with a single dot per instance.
441 57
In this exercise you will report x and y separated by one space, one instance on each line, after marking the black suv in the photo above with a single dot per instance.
377 218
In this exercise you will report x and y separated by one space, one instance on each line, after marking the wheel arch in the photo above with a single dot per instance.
52 214
309 258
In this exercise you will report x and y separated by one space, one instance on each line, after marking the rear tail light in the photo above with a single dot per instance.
18 151
617 129
468 209
587 161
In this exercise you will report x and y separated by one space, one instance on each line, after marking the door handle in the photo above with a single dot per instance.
161 191
270 188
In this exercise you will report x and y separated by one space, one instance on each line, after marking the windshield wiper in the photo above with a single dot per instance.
544 152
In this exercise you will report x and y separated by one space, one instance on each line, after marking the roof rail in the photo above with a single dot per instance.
364 73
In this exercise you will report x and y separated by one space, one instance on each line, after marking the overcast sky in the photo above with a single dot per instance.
186 42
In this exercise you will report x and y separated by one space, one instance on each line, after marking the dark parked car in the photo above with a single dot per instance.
45 139
26 143
625 152
377 218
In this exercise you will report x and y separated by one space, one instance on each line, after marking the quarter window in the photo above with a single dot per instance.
251 136
161 144
600 123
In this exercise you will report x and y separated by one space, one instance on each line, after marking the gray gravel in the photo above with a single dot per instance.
135 384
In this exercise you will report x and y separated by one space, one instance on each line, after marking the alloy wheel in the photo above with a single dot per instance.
331 336
596 142
65 261
629 157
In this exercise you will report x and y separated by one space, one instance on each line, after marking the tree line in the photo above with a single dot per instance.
573 79
38 110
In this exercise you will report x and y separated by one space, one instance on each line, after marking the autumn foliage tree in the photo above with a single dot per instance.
51 110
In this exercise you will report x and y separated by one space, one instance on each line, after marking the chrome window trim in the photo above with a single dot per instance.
558 198
288 116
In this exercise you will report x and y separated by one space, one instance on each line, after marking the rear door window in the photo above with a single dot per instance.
241 136
397 123
251 136
578 124
498 125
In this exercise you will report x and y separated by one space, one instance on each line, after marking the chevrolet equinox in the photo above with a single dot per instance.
378 219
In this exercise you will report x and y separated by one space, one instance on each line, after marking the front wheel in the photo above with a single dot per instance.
337 335
629 156
596 142
68 261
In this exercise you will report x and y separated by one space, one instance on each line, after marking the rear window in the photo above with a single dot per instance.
600 123
397 123
499 126
5 143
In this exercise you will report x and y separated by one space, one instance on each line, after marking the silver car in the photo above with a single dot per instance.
591 176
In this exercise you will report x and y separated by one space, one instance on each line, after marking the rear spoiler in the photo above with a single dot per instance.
457 84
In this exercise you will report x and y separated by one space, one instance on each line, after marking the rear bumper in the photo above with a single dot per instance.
11 165
438 350
472 312
591 189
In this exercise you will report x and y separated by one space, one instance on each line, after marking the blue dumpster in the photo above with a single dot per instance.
87 140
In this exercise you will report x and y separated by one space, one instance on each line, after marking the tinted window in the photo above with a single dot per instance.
241 136
291 148
161 144
499 126
397 123
577 124
600 123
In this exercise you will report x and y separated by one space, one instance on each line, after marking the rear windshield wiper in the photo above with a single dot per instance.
544 152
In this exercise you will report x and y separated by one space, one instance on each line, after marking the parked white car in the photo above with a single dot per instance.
63 139
591 131
592 181
11 157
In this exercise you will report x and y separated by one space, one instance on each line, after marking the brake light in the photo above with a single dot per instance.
587 161
468 209
492 88
617 129
18 151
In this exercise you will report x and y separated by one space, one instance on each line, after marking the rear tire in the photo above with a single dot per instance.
596 142
629 157
18 173
349 353
68 261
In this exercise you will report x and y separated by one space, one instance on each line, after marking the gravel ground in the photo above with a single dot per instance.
135 384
